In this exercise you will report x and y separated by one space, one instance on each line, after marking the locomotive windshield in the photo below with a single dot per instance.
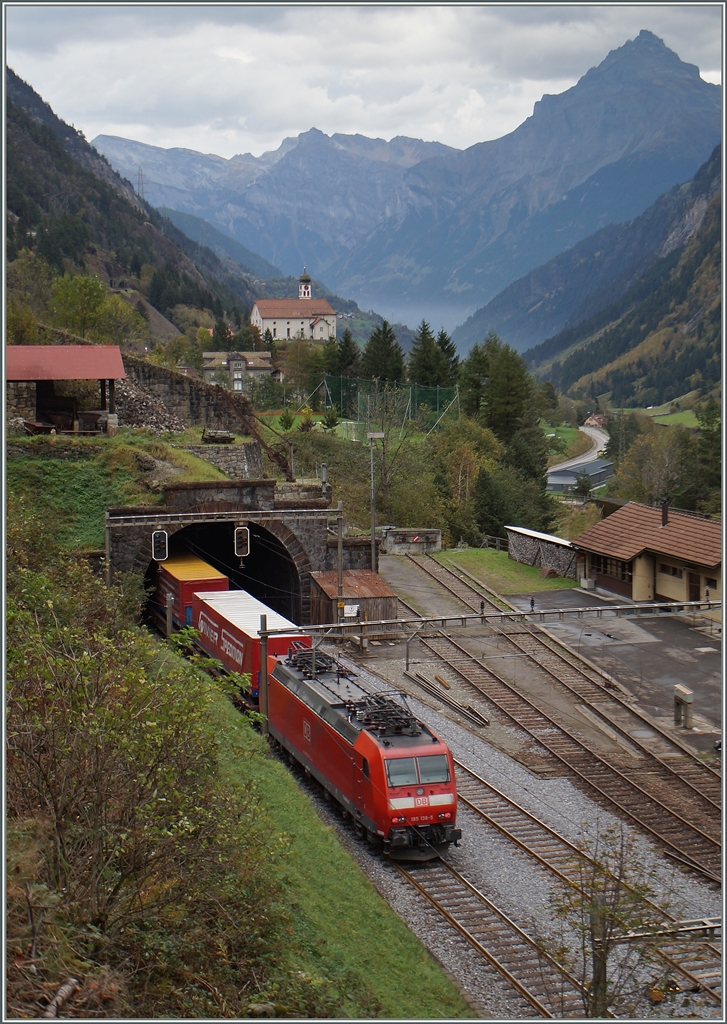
402 771
433 768
414 771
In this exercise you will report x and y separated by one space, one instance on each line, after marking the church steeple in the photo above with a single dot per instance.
304 285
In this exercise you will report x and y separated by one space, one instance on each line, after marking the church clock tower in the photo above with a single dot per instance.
304 285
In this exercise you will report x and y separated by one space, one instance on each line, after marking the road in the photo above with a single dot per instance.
599 440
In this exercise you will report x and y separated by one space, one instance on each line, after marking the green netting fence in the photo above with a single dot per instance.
351 396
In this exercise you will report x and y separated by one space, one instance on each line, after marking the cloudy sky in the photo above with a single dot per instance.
235 78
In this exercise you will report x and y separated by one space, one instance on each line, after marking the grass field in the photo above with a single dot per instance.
73 481
347 932
578 443
501 573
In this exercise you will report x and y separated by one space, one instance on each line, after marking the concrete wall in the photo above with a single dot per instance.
534 551
195 402
239 461
220 495
402 542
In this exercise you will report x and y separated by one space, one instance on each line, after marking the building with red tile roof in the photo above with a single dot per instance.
304 317
653 554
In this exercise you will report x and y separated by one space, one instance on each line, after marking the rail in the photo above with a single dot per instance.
622 792
233 515
561 858
545 985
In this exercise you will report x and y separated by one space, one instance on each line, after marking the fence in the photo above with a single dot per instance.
498 543
351 396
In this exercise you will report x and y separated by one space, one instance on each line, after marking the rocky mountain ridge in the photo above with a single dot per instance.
416 229
589 276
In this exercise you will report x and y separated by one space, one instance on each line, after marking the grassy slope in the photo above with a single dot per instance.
90 475
501 573
345 929
380 969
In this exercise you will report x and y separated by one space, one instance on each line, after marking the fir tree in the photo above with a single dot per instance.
427 363
349 356
449 350
383 358
508 390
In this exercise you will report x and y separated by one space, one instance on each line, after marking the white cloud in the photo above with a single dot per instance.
231 79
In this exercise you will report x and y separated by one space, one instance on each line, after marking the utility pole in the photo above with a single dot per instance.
340 562
373 436
263 691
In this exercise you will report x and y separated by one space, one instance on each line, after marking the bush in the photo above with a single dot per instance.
155 864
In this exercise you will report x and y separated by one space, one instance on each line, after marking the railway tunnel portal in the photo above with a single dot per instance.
292 533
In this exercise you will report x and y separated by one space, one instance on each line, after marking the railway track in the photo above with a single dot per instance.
682 839
700 964
666 769
538 979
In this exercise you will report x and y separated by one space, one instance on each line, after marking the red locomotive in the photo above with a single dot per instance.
384 767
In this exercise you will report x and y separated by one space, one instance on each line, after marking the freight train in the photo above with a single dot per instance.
386 769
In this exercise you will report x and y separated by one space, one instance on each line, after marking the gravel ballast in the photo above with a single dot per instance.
506 875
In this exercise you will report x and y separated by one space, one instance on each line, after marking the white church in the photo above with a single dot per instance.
304 317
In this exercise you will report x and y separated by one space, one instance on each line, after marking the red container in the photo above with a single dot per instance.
228 625
181 575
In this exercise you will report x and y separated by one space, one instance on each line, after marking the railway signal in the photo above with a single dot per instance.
242 541
160 545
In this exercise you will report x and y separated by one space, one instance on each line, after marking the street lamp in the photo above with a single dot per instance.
372 436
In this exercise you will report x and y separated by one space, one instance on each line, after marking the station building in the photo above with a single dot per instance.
647 553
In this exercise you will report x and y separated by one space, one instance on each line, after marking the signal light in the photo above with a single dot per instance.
160 545
242 541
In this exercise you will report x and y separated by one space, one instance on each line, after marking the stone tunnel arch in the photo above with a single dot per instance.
277 570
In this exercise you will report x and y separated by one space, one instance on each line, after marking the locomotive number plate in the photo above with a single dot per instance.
307 735
421 801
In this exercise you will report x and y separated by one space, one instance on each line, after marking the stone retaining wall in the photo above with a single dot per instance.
242 461
541 553
193 401
20 400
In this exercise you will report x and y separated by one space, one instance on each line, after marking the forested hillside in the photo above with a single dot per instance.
64 202
591 275
659 340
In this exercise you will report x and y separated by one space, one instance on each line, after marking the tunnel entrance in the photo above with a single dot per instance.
268 573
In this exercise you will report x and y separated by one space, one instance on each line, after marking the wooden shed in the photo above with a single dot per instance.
366 597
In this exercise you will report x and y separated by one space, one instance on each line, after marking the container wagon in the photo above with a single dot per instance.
228 625
386 769
181 575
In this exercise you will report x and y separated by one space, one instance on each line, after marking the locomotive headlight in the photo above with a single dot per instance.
396 821
444 814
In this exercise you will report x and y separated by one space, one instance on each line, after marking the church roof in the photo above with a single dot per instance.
293 309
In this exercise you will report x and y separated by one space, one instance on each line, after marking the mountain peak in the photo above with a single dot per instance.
641 56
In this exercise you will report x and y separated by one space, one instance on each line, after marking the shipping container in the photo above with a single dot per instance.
181 575
229 630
